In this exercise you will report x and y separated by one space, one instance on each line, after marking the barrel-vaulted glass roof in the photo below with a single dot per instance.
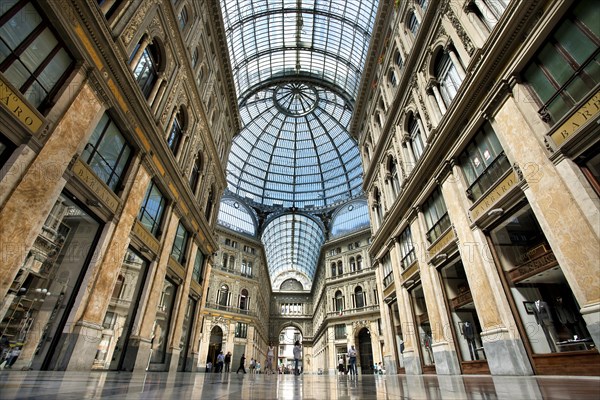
297 66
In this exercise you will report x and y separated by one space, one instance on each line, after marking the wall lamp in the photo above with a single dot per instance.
495 211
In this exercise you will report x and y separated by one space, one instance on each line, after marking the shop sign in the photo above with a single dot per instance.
494 196
442 243
177 268
582 116
146 237
83 172
533 267
19 108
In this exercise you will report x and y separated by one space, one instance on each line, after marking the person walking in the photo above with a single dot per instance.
227 361
242 362
341 366
297 355
220 362
270 356
352 356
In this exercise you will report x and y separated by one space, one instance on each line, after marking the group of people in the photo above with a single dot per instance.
223 363
352 371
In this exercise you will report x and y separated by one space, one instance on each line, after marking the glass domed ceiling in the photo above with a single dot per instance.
294 149
297 66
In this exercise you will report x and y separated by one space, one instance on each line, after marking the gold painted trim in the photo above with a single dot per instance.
12 101
494 196
145 236
582 116
87 176
443 242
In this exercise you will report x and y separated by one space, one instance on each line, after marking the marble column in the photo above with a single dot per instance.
27 207
503 346
158 278
88 328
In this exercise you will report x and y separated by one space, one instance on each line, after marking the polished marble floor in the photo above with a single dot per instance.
179 386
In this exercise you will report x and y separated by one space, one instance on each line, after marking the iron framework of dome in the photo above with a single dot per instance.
297 67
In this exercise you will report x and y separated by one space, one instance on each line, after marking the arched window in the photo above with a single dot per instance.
244 300
352 264
359 297
340 268
146 69
416 141
209 205
392 78
333 270
448 77
359 263
339 301
195 58
224 295
182 18
176 132
225 257
393 178
231 262
398 59
377 206
195 174
413 23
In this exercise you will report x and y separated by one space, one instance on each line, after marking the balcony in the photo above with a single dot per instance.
352 311
231 309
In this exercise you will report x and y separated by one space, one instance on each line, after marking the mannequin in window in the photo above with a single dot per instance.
541 311
565 316
468 332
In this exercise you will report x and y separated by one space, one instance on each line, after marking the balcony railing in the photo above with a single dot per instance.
351 311
231 309
438 228
488 177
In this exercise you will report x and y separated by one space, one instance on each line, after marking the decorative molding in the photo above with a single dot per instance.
466 42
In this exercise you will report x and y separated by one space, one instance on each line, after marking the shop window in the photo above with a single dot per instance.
152 209
467 328
162 323
107 152
542 297
567 67
483 162
186 330
589 162
6 149
421 316
122 307
32 57
436 216
241 330
180 244
44 289
198 266
407 250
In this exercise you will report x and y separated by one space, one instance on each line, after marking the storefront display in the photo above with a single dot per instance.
544 301
423 327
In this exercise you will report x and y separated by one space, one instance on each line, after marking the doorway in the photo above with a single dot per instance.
365 351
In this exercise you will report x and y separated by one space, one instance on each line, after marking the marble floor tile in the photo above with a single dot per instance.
184 385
